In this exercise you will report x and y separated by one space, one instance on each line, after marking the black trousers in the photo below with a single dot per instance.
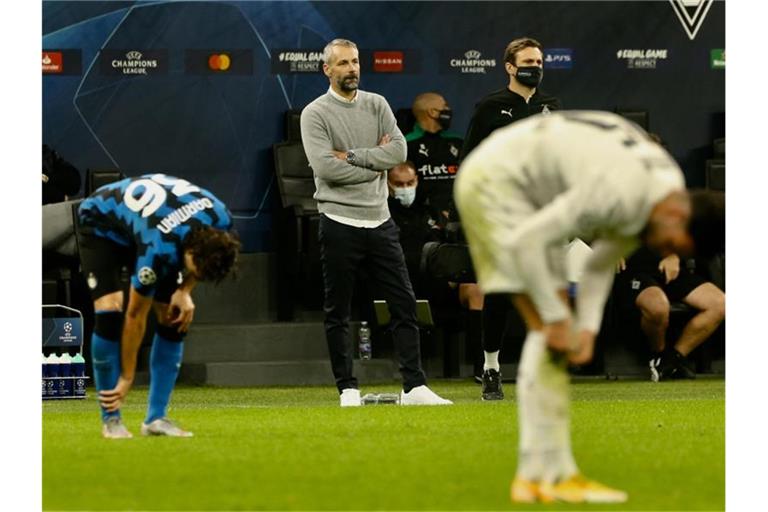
343 249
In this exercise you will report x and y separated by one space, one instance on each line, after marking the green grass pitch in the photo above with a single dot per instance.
295 448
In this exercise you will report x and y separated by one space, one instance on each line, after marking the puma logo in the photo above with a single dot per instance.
423 150
507 112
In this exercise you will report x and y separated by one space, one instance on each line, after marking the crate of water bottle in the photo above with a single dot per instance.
381 399
64 377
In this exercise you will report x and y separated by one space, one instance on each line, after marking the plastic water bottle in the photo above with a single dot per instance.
53 375
65 371
365 341
78 371
381 399
45 374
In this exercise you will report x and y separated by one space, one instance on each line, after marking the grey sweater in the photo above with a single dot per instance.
355 191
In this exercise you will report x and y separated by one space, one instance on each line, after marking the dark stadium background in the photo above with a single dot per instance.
218 129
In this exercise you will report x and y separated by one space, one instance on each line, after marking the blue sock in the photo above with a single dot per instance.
105 355
164 364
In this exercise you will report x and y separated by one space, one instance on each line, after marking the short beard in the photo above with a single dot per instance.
348 87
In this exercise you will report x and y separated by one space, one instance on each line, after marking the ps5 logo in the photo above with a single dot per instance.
691 14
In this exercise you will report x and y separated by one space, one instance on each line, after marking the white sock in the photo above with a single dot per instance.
544 414
491 361
530 464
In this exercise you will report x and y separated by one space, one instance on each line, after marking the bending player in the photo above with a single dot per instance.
172 234
522 194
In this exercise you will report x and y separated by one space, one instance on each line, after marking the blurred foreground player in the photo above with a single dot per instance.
522 194
169 234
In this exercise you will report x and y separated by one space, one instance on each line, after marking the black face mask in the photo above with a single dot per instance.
445 118
530 76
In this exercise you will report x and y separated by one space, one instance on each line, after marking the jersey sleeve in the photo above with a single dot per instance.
551 225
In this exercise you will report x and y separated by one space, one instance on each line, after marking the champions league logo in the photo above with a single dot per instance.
68 328
691 14
147 276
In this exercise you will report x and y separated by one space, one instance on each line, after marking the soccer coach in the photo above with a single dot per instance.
351 139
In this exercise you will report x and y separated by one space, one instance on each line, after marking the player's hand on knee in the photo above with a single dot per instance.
559 335
112 399
584 350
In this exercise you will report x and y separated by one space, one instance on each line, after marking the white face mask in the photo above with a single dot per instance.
405 195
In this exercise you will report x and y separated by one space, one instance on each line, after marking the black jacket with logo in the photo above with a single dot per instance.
417 227
436 157
501 108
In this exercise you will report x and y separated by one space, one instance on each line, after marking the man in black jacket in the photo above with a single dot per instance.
434 151
417 227
523 61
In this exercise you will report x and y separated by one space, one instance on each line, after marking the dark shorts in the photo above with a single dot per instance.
633 283
107 267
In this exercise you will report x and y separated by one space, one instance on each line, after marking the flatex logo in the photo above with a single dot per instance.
558 58
472 62
642 59
691 14
134 62
388 61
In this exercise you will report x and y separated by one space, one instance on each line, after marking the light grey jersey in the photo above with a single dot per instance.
572 173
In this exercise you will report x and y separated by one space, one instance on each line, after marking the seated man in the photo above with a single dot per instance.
650 283
434 152
417 227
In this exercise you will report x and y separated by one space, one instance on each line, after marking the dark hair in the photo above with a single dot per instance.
519 44
214 252
707 226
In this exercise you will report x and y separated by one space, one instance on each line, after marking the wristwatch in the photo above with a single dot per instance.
351 158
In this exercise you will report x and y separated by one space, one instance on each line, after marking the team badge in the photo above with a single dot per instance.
545 110
454 150
92 281
147 276
635 284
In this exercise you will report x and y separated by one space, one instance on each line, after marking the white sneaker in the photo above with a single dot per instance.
422 395
163 427
113 428
350 397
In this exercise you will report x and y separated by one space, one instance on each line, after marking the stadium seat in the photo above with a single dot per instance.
714 174
718 148
60 254
95 178
296 226
293 125
636 115
405 120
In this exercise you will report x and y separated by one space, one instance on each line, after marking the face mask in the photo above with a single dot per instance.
530 76
405 195
445 118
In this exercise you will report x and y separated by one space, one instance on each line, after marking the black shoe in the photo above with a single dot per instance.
671 365
492 385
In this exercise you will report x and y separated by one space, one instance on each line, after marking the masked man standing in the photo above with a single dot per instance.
523 61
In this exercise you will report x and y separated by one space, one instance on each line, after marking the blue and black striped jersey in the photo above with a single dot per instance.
153 213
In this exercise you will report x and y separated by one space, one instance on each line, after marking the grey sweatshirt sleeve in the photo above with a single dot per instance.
319 150
385 157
